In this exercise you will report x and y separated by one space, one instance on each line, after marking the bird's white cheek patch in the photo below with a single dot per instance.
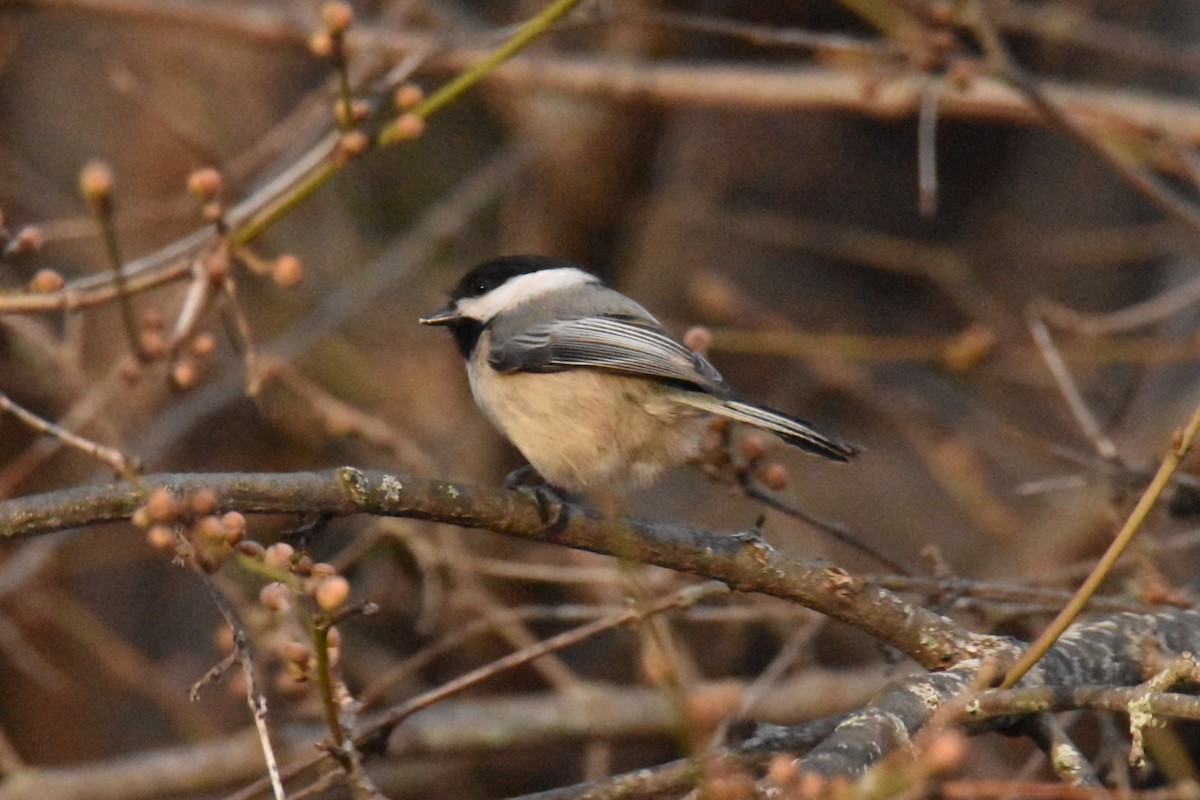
520 289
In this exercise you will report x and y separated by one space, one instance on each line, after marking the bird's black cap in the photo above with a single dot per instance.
480 280
495 272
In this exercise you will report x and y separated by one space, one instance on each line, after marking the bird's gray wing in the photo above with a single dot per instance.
610 342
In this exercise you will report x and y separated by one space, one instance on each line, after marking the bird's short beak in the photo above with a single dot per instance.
446 316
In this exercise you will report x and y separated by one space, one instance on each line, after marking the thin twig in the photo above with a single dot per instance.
1138 315
836 530
448 642
238 326
681 599
995 703
342 419
97 184
479 599
255 699
766 681
320 640
82 412
24 656
1070 390
110 456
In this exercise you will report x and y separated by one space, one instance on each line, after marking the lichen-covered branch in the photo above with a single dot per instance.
1118 650
930 639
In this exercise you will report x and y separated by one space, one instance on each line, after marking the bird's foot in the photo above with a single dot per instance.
523 477
552 508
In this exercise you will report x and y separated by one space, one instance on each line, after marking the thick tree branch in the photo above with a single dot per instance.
930 639
1114 651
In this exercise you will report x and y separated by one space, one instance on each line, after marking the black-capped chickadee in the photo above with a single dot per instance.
586 383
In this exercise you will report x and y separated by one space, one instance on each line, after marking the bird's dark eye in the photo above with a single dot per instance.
480 287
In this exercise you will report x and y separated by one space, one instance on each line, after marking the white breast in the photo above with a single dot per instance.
585 428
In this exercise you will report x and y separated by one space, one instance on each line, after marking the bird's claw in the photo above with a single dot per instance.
552 510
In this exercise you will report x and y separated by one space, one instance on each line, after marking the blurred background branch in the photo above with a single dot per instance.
866 203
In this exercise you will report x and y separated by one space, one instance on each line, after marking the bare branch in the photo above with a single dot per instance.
932 640
113 458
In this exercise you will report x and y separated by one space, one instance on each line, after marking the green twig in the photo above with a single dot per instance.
524 35
320 175
320 638
345 93
96 186
271 213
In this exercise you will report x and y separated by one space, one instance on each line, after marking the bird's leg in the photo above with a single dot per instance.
523 476
552 509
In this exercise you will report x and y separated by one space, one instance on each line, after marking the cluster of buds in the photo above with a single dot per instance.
330 42
719 460
155 344
191 527
299 662
319 585
349 115
771 474
186 368
205 185
336 19
319 580
408 125
152 334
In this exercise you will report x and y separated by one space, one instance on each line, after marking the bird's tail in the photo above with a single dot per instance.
793 431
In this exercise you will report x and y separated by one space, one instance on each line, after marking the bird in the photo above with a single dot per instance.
587 384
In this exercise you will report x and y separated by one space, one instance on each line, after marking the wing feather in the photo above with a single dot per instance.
612 342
